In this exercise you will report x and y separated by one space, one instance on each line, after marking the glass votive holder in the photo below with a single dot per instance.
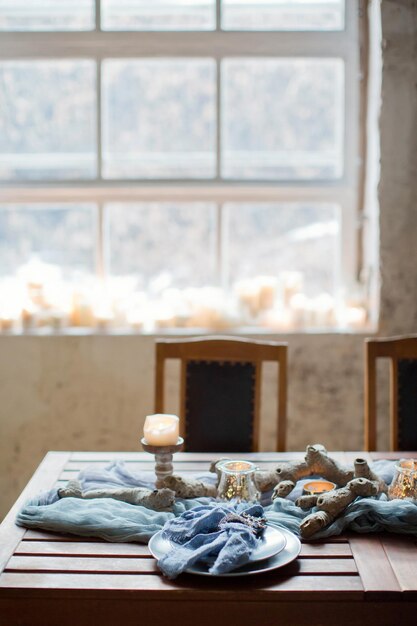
237 481
404 483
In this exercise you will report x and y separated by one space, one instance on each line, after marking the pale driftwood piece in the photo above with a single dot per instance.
158 500
306 502
313 523
71 490
316 461
321 464
283 472
282 489
214 466
362 470
335 501
332 503
189 488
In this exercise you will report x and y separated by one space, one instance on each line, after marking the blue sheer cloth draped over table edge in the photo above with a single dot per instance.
119 521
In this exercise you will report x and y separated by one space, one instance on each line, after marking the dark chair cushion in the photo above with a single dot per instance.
219 409
407 404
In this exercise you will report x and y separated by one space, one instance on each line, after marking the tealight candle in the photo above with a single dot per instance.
316 487
161 429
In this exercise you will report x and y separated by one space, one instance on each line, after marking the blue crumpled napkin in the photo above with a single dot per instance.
196 536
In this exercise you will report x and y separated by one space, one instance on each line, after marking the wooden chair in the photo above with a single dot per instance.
402 352
220 391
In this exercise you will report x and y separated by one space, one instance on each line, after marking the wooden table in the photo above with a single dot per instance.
49 579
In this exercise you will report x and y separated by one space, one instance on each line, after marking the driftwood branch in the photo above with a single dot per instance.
362 470
188 487
331 504
361 482
316 462
158 500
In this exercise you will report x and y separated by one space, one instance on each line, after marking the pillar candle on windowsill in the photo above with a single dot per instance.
161 429
7 324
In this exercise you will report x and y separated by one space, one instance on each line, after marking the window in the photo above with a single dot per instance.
180 164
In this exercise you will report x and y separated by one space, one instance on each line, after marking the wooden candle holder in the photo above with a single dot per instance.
163 459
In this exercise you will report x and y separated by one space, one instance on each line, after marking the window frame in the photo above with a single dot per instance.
98 45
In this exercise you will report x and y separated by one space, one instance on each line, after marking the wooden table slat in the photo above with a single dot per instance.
82 564
43 478
37 535
276 583
148 565
318 550
149 464
80 548
373 565
70 474
200 457
328 550
403 558
375 456
351 456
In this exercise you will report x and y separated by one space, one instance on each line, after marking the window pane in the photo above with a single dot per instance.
162 245
58 235
159 118
158 14
283 14
295 242
47 120
292 129
47 15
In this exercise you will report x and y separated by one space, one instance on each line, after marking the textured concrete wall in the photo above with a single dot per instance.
398 185
68 392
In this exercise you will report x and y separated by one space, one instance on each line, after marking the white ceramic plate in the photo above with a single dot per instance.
290 550
271 542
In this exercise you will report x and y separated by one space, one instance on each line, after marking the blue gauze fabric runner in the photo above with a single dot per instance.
118 521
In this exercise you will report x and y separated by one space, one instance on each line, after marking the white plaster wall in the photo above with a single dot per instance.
92 392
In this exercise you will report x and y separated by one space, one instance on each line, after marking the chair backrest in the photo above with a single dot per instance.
220 391
402 352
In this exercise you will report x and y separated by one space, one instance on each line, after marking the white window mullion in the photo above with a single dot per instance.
98 15
351 105
99 126
224 249
348 243
218 121
219 245
218 14
217 44
100 242
155 191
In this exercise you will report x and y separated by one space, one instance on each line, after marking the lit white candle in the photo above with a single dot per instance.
161 429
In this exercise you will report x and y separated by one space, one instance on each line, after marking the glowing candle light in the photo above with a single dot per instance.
316 487
161 429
